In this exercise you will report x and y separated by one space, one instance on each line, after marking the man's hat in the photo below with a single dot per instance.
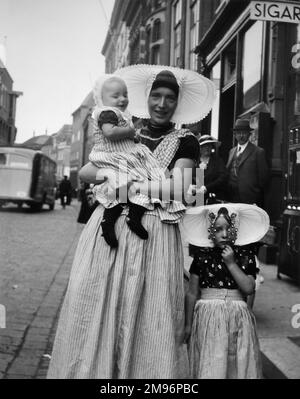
242 124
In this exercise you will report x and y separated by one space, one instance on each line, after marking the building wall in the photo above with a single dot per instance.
138 33
81 117
8 99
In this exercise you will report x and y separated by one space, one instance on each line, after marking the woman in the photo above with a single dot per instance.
88 204
123 314
215 173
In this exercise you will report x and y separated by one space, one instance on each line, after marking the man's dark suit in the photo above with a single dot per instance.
252 173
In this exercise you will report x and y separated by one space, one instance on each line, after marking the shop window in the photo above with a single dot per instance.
230 64
155 55
156 30
177 32
215 76
194 32
251 64
157 4
147 44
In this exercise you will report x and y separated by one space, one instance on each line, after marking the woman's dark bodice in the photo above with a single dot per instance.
152 137
208 264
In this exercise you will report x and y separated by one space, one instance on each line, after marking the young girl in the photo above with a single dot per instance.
117 151
220 328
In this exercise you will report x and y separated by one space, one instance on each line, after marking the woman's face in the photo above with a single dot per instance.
162 103
206 150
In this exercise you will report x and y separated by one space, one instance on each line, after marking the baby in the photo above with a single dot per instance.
117 151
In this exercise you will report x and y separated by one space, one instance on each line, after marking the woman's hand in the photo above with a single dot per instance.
89 173
228 255
187 334
121 186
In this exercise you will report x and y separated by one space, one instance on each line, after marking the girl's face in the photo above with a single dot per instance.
162 103
222 232
114 94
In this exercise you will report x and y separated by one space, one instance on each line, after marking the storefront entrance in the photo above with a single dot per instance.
226 121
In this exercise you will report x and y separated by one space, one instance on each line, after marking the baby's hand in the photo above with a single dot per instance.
228 255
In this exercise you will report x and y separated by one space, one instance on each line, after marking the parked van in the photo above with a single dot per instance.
27 176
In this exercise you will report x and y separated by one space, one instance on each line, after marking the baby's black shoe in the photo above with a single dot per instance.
134 220
110 217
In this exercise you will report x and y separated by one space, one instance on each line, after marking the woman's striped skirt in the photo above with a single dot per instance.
223 341
123 312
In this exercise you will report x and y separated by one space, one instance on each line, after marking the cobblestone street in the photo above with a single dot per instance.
36 253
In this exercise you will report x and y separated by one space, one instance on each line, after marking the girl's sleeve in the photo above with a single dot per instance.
248 262
195 269
198 263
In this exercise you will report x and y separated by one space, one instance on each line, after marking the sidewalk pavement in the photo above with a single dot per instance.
279 340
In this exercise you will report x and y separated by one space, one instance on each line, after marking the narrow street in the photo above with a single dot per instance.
36 251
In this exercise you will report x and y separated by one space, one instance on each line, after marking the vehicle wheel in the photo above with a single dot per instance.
51 206
36 206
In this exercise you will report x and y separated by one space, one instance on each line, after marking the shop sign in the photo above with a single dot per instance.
275 11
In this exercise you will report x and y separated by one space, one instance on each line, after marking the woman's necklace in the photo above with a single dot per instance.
152 138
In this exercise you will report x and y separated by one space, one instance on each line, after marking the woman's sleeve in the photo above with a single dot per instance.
189 148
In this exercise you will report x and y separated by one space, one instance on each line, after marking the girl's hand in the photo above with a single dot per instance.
228 255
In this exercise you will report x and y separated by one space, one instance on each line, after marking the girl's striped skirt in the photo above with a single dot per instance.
123 312
223 341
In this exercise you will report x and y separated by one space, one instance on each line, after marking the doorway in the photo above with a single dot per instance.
226 121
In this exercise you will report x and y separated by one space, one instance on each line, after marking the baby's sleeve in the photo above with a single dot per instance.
108 117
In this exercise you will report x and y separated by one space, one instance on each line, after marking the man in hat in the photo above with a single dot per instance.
247 167
248 174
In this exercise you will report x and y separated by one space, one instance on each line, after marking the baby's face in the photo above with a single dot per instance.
114 94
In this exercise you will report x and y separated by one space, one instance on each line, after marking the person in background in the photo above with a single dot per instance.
88 203
248 176
247 167
65 192
215 172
